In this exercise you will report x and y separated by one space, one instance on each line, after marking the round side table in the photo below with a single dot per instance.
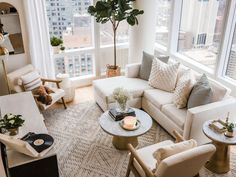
67 86
122 137
219 162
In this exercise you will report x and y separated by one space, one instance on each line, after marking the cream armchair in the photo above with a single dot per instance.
15 87
184 164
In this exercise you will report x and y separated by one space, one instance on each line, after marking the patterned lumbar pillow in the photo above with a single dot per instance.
163 76
183 89
201 93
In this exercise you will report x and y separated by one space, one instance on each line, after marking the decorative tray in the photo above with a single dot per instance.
137 125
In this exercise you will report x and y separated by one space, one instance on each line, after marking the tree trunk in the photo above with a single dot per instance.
114 30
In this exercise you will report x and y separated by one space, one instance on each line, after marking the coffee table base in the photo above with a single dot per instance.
121 143
219 162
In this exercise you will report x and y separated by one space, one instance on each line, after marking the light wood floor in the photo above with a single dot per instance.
83 94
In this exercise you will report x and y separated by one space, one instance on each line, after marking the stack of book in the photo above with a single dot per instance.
120 115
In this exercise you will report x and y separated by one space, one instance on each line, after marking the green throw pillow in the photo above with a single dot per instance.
201 93
146 65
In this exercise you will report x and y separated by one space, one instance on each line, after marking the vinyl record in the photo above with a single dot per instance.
40 142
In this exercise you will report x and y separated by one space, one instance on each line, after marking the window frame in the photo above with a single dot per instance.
219 73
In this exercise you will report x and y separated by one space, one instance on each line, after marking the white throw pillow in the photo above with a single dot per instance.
30 80
163 76
182 91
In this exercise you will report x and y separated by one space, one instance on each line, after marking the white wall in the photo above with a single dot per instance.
16 61
142 37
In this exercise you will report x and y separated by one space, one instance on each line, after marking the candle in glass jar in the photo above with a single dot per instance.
130 121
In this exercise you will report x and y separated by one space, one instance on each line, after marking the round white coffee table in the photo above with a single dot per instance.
122 137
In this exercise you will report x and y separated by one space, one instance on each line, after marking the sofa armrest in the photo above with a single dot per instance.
198 115
132 70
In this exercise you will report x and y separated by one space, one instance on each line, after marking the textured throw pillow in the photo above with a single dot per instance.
169 150
201 93
182 91
146 65
30 80
163 76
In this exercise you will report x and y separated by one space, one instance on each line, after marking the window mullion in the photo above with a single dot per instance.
226 40
174 26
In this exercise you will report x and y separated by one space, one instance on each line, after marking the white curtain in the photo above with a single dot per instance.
39 40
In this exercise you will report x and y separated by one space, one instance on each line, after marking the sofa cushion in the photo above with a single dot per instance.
146 156
105 87
178 116
158 97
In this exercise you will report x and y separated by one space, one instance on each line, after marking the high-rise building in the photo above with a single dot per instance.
68 19
61 12
231 68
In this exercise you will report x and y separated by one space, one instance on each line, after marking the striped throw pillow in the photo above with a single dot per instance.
30 80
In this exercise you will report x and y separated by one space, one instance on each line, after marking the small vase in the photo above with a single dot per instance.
229 134
121 107
13 131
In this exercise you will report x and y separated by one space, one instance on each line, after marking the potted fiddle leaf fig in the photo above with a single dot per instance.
115 11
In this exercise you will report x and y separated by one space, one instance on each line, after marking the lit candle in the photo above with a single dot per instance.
129 122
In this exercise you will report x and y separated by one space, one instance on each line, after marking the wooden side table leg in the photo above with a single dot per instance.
219 162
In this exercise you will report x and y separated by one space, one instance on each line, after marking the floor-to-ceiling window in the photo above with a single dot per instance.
163 13
231 66
201 28
70 21
200 34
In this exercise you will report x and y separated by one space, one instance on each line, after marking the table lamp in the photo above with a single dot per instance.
4 53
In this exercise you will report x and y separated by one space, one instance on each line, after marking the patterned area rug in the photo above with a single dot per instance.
85 150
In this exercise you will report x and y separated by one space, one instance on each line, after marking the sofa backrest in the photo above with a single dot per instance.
220 91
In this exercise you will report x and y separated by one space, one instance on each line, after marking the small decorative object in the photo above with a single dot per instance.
218 126
11 123
117 116
130 123
115 12
56 42
62 48
230 128
121 96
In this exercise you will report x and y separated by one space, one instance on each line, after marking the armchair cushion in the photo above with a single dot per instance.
58 94
172 149
146 156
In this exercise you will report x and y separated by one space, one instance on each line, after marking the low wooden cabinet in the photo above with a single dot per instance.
46 167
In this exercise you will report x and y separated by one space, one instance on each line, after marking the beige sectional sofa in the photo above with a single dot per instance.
158 103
